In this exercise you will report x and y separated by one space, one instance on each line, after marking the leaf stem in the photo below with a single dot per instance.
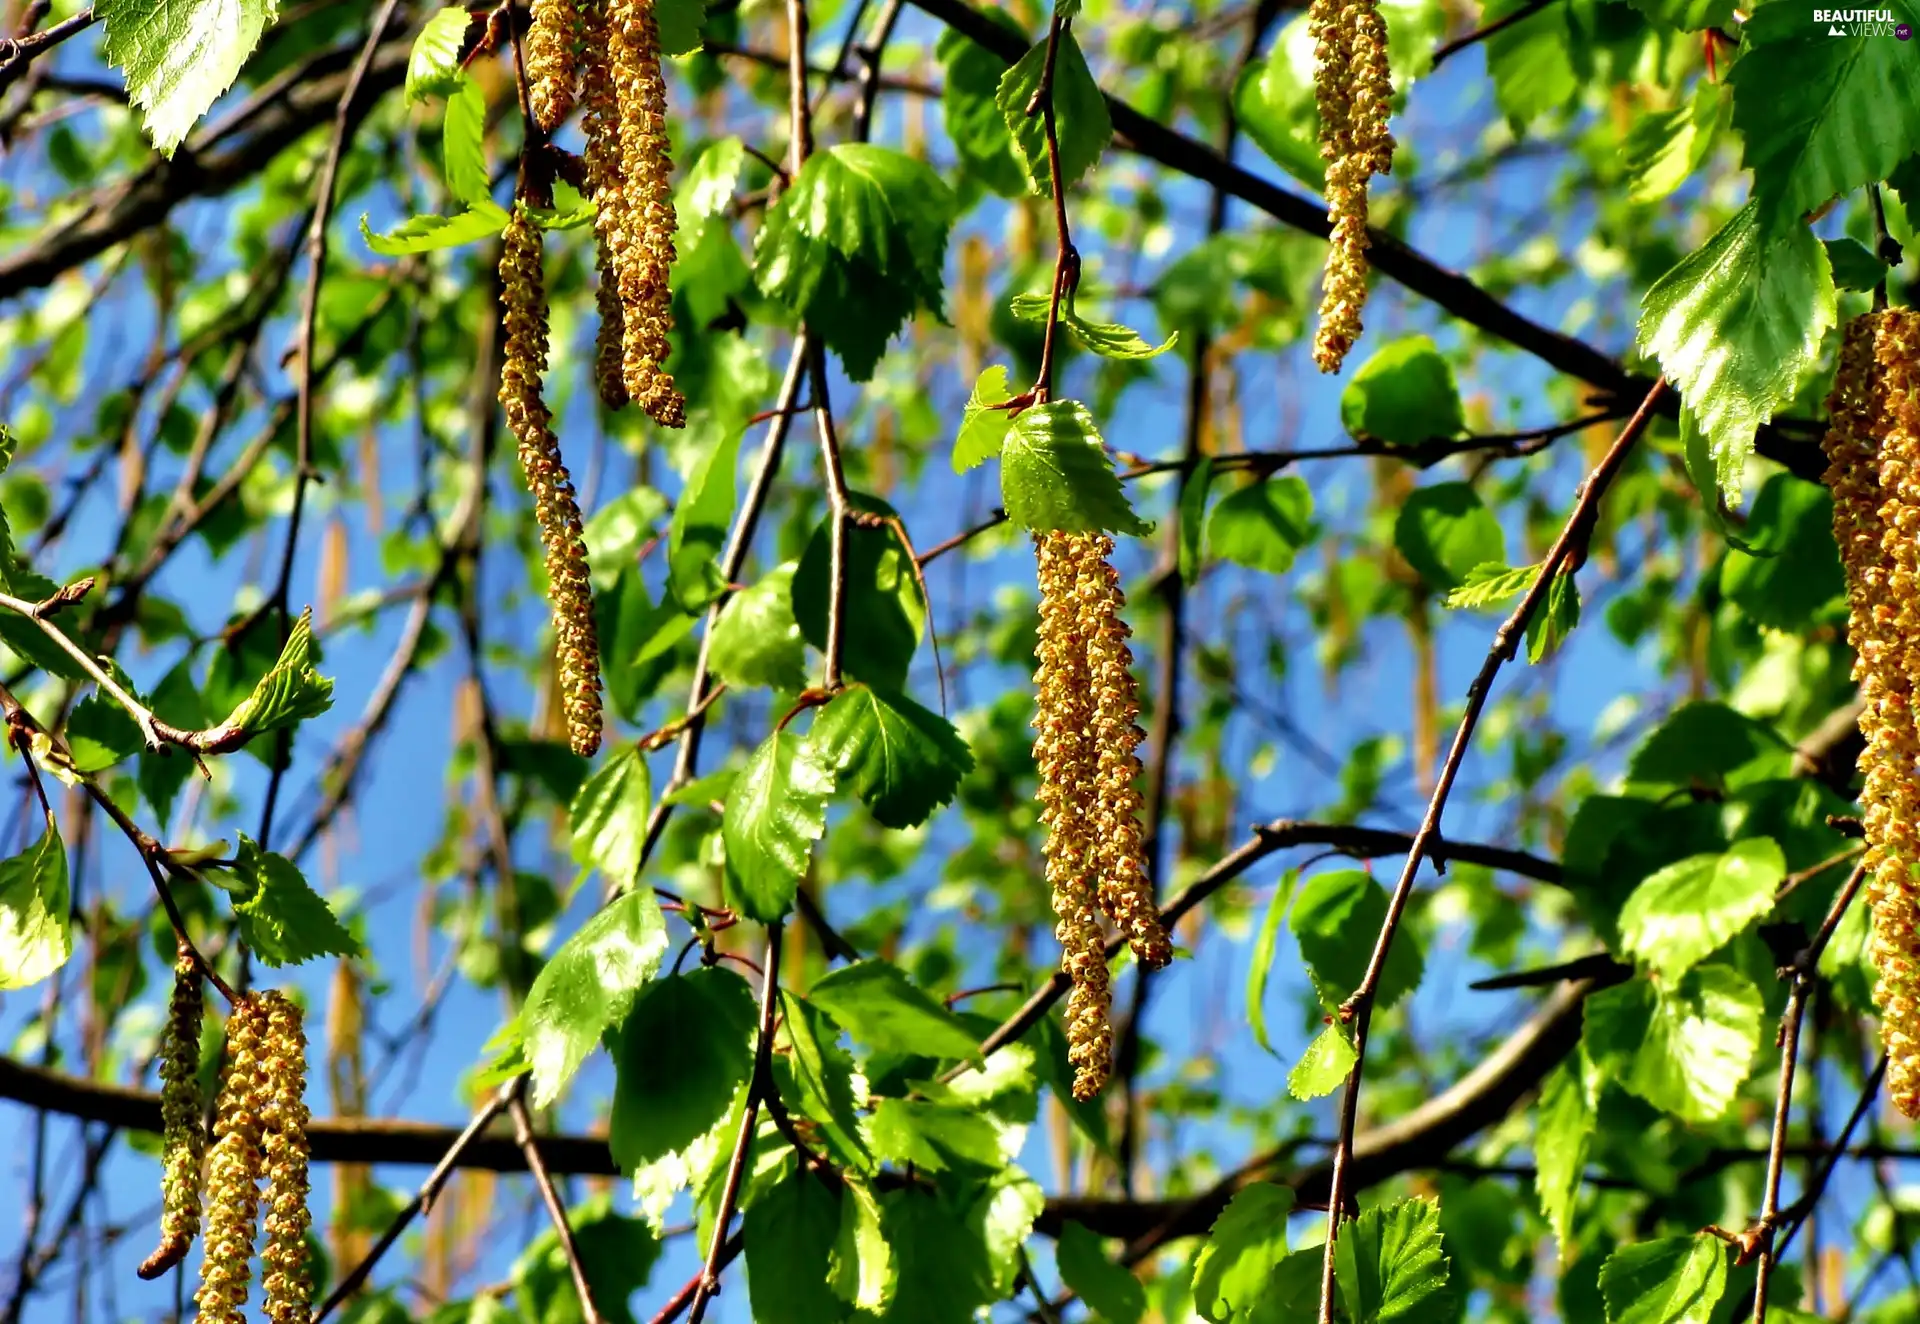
1066 266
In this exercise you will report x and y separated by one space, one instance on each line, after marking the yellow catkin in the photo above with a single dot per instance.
286 1280
234 1171
1873 449
185 1142
645 259
1064 750
1125 894
577 647
553 60
1354 92
607 182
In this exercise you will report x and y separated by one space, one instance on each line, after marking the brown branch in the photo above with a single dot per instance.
523 1136
1458 44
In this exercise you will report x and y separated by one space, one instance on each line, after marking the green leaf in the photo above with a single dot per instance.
854 246
1735 324
100 733
1672 1280
1491 583
1112 340
608 817
1404 394
1110 1290
698 531
282 919
680 1054
820 1074
616 1254
886 613
1820 115
588 985
791 1232
1701 742
1261 963
1325 1065
1083 127
1275 105
756 641
680 23
1337 918
1193 517
1391 1266
882 1009
1055 474
1686 1049
974 122
776 809
1445 531
1247 1243
1687 15
433 69
179 56
465 147
36 934
1262 525
983 428
1563 1128
290 692
161 775
862 1268
1664 148
619 530
1854 265
1687 911
935 1137
423 234
1555 618
898 757
1791 569
1531 60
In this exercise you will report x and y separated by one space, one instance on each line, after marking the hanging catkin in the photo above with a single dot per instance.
233 1174
285 1278
1873 449
1084 748
558 513
184 1147
553 60
1354 91
607 181
643 259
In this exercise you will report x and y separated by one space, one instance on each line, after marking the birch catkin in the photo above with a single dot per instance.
1354 92
553 60
1873 451
1084 748
577 647
286 1279
184 1145
607 181
233 1174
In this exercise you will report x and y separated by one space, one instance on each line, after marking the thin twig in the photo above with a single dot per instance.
1358 1009
839 511
523 1137
1458 44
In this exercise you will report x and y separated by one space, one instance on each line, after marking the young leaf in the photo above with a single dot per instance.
608 817
1193 517
1563 1128
433 69
1112 340
283 920
1247 1243
1055 474
1324 1067
290 692
776 810
1671 1280
616 1255
100 733
698 530
1083 127
1686 1049
756 641
1702 742
464 145
1791 570
1555 618
179 56
936 1137
791 1232
588 985
1685 912
1262 961
1276 107
36 935
854 246
1262 525
816 1079
882 1009
898 757
1854 265
423 234
1337 918
1491 583
1110 1290
983 428
680 1053
862 1267
886 613
680 22
1445 531
1735 324
1404 394
1820 115
1390 1263
974 123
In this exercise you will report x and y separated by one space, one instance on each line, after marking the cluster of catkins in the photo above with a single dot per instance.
1354 90
260 1132
1090 806
1873 453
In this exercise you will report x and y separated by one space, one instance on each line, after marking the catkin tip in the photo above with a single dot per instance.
183 1145
1353 88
